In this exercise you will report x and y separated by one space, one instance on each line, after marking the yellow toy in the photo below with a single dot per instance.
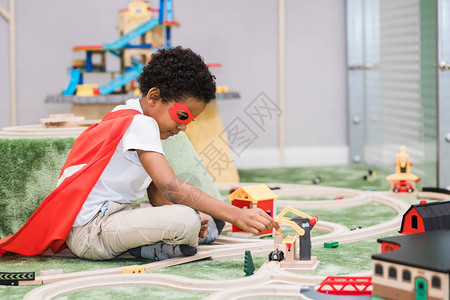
87 90
222 89
403 181
134 270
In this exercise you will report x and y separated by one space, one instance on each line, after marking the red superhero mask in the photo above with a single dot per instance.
180 113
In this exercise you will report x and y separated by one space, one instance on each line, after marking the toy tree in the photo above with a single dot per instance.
249 267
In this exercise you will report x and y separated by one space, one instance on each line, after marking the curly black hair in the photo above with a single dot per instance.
178 73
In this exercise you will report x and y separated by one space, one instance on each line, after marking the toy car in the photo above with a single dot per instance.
402 187
276 255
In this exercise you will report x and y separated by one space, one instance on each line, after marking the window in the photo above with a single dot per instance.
392 273
379 269
414 221
406 276
436 282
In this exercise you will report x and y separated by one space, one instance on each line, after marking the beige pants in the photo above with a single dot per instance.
123 228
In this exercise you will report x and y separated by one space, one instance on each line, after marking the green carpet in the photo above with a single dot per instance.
30 169
29 172
336 176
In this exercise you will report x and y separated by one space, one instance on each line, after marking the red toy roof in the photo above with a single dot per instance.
435 215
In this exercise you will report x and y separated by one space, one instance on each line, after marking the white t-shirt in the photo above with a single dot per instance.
124 178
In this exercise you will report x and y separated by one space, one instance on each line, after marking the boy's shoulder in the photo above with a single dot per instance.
140 121
130 104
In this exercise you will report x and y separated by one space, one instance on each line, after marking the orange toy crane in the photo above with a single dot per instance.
403 180
303 225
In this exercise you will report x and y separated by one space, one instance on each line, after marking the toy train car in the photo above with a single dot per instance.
276 255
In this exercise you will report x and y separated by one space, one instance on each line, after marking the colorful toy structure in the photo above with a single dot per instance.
403 181
260 196
416 265
140 34
142 30
297 249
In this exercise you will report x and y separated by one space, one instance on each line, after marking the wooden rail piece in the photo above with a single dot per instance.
13 278
181 283
265 291
151 266
432 195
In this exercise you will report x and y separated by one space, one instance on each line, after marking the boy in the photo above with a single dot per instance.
116 161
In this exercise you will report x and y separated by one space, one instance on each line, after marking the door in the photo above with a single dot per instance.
421 289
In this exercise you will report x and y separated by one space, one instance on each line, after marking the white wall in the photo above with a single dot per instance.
316 78
5 108
241 35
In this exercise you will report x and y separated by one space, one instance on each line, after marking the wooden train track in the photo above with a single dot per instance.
266 280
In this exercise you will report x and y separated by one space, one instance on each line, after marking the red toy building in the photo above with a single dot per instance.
426 217
260 196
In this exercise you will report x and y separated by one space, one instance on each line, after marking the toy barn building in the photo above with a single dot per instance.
426 217
260 196
415 265
418 268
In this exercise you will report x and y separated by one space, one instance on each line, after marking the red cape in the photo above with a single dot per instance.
50 224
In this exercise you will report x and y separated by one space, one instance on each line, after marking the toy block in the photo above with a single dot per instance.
277 238
134 270
62 120
87 90
301 265
51 272
330 245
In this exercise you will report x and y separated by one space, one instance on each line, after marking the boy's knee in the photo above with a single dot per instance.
190 220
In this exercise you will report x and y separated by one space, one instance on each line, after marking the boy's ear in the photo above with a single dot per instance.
153 95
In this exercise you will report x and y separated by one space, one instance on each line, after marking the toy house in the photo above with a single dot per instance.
260 196
418 268
426 217
403 181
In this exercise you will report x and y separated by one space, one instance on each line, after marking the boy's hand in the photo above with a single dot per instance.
255 221
203 225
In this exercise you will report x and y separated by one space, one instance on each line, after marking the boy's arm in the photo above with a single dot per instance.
155 196
180 192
